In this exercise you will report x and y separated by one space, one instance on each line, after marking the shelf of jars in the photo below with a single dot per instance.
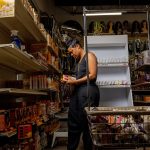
20 15
18 60
21 91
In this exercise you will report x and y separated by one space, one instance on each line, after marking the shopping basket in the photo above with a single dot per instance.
119 127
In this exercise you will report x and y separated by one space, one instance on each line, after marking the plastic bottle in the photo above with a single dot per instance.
15 39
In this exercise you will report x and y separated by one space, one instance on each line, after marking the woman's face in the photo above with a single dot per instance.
74 51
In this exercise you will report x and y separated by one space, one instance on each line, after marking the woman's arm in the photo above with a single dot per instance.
92 64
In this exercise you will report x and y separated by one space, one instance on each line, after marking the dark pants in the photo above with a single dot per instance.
77 119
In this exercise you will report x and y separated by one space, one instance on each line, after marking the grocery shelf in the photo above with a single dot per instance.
21 91
18 60
24 23
145 67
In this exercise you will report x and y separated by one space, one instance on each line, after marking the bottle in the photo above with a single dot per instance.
15 39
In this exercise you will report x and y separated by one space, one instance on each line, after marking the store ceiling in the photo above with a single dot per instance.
75 7
100 2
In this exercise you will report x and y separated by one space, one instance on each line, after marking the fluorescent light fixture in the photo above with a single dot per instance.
104 14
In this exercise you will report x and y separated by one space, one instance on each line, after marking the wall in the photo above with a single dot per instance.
61 15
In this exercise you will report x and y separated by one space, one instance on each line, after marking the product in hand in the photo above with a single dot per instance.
65 78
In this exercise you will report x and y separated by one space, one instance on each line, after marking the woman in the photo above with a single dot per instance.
77 119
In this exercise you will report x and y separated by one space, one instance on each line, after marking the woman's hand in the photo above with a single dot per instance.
68 79
64 78
71 80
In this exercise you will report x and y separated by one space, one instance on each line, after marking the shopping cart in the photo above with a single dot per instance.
119 127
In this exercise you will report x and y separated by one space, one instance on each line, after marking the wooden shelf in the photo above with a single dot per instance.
141 92
50 89
141 84
18 60
145 67
21 91
141 103
137 35
24 23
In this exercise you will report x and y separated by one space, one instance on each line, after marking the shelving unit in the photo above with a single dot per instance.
22 21
113 70
18 60
21 91
32 106
141 89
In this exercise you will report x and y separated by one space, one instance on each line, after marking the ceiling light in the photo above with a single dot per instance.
103 14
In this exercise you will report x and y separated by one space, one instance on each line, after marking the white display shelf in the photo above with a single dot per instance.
21 91
107 41
22 21
18 60
112 55
114 86
123 64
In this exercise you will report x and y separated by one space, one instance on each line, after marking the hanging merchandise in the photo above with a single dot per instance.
135 27
110 27
126 27
144 27
118 27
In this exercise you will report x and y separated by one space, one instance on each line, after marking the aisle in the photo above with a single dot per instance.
64 146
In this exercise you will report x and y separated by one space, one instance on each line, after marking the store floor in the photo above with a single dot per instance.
63 146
